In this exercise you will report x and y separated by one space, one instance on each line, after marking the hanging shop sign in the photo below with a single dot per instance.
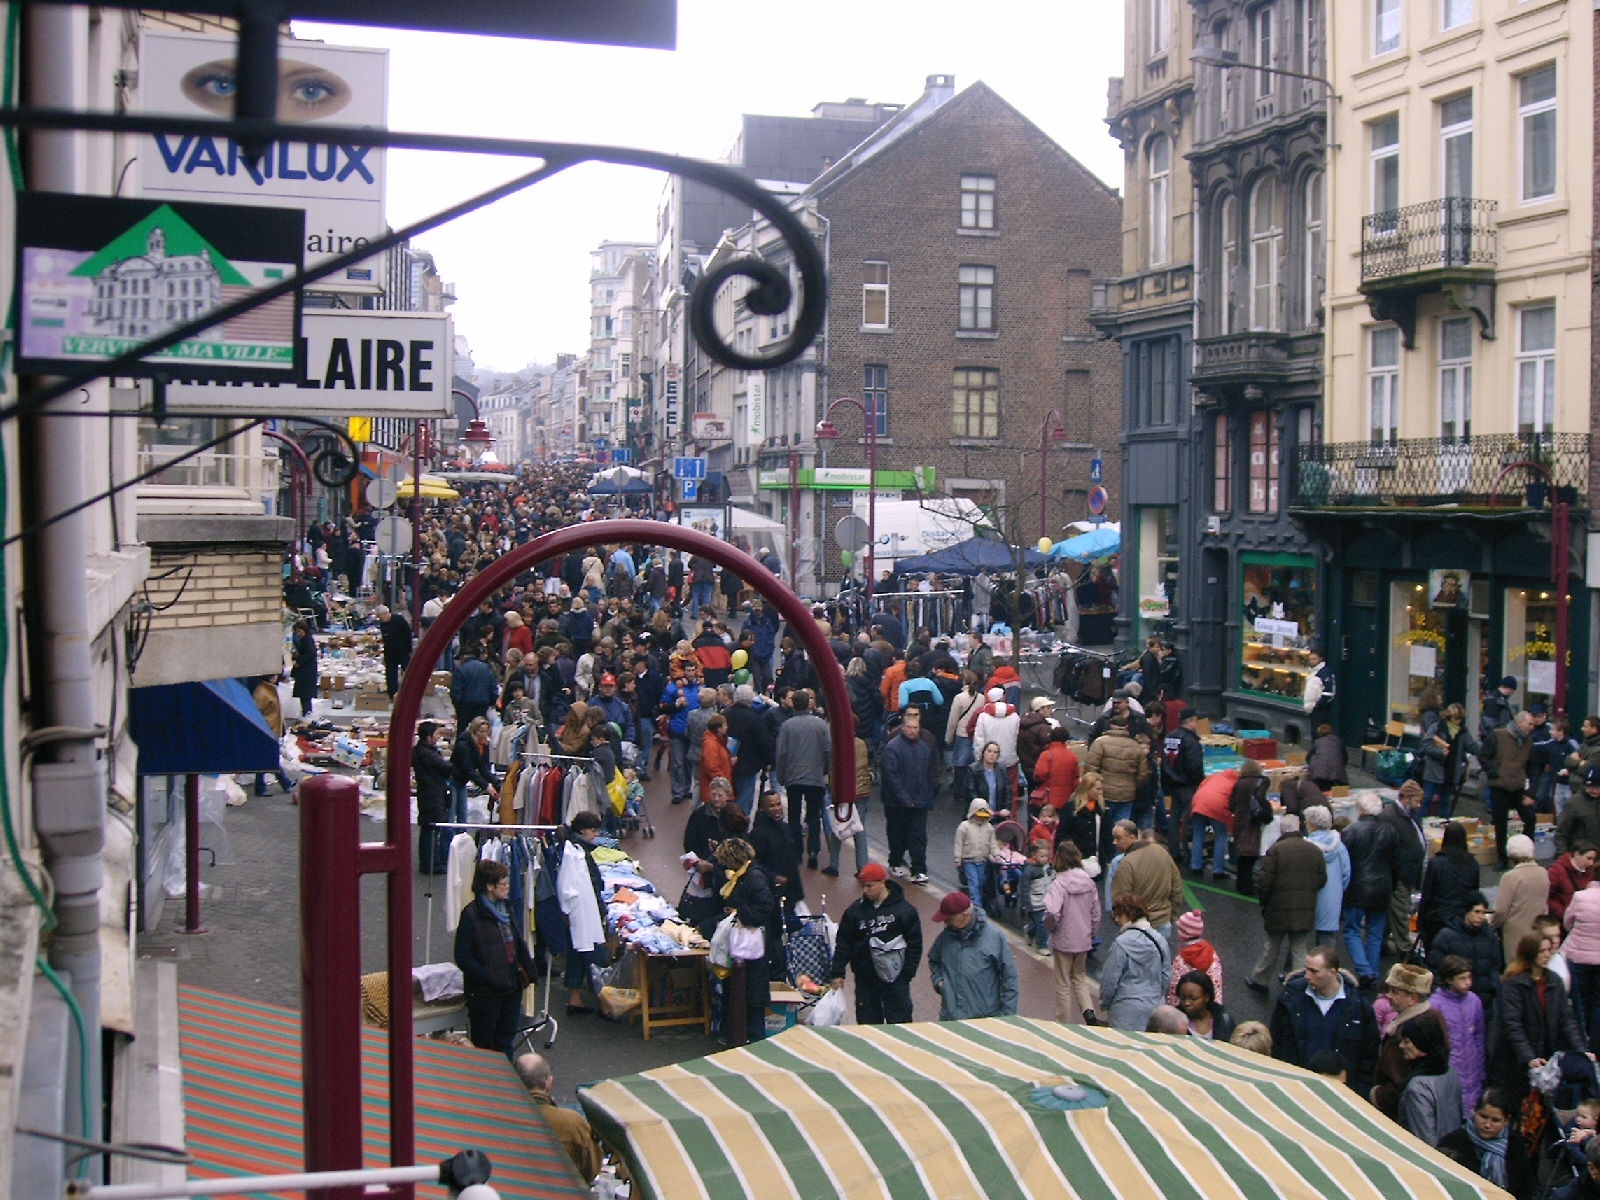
340 187
375 364
99 277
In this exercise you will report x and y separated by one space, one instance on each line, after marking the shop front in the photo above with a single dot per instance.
1278 628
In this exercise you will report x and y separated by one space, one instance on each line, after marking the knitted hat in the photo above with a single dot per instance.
1509 683
996 695
872 873
953 904
1416 980
1191 926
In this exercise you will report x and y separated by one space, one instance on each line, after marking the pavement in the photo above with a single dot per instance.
251 946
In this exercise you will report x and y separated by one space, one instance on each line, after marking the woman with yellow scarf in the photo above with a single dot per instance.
747 894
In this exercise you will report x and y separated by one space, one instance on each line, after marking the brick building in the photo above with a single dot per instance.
961 245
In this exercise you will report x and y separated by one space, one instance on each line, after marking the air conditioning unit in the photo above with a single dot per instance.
1213 524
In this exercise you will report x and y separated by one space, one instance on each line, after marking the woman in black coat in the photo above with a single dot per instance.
866 702
747 893
494 960
432 772
303 669
1448 885
1534 1018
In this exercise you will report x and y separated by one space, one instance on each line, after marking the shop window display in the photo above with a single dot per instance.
1530 643
1420 612
1279 627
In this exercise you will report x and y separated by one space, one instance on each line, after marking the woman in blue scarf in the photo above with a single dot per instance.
1483 1144
494 959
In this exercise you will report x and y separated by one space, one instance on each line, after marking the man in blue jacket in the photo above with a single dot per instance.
1321 1009
678 700
909 768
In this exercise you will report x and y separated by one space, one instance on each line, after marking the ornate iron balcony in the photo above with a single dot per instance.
1453 232
1438 472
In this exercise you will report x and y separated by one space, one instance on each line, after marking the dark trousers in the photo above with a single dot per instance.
492 1018
805 802
1178 820
432 849
392 670
1503 801
879 1003
908 836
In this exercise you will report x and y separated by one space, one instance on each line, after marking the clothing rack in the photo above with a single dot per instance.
547 756
497 828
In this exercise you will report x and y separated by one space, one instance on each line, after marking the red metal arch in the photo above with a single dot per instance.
393 856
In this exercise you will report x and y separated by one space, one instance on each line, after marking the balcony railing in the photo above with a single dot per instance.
1254 355
1437 472
1451 232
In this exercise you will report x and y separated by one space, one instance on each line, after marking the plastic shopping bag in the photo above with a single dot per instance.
829 1010
721 957
846 827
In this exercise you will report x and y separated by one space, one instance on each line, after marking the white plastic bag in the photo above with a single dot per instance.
829 1010
722 944
849 827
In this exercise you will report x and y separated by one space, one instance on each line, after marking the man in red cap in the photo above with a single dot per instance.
617 709
973 970
880 935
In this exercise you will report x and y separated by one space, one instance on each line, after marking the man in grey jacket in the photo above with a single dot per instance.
802 766
971 964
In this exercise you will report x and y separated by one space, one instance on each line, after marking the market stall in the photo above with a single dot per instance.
1007 1106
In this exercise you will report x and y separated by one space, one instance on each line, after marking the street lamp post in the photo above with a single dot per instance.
828 431
1054 429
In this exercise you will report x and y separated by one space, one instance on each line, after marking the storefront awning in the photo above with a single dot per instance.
242 1101
204 728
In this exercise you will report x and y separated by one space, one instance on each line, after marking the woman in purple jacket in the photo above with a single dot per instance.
1462 1011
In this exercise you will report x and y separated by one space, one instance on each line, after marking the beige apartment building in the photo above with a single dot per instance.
1457 345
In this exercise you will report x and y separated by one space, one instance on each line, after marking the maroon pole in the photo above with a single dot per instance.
330 976
191 855
393 856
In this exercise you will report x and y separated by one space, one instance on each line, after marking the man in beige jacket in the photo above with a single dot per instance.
1148 871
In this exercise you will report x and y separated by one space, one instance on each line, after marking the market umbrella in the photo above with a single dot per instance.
970 1109
433 488
1086 547
968 558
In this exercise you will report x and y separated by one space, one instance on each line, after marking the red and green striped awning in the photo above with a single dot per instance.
242 1101
968 1109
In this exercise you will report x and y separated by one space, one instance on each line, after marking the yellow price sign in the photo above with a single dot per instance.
360 429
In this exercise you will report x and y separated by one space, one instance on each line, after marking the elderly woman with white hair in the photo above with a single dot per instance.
1374 867
1320 833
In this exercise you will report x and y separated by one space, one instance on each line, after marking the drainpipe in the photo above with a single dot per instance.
68 773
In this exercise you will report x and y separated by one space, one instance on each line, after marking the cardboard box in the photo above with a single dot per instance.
1295 758
1340 791
1486 854
372 702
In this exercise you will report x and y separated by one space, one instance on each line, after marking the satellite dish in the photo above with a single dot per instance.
851 533
381 493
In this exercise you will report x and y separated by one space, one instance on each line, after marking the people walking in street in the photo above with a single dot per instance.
1134 978
432 772
1148 870
395 633
1326 764
469 764
473 687
1448 885
908 769
801 760
1410 853
580 894
1290 879
777 851
974 853
303 669
1182 771
1320 833
1251 809
1212 812
1508 749
1072 914
1580 819
1197 1000
1056 774
1469 935
880 940
1373 871
970 963
1445 750
747 894
1461 1009
1122 761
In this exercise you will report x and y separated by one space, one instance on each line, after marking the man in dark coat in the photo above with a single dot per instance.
1287 882
880 936
396 633
777 852
1411 856
1472 937
1320 1009
432 772
1374 869
1183 769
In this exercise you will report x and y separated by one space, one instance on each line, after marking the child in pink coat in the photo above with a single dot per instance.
1194 954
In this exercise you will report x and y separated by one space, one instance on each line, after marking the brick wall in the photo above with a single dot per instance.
1058 227
216 588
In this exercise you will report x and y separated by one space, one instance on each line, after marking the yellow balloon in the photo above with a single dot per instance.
740 657
1044 545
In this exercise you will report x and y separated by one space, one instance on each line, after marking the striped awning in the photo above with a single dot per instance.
970 1109
242 1101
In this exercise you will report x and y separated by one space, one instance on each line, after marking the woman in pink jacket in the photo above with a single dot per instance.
1072 914
1581 949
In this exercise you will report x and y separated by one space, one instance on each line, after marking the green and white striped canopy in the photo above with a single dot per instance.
967 1109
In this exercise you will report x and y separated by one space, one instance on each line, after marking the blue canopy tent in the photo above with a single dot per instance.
968 558
633 487
1086 547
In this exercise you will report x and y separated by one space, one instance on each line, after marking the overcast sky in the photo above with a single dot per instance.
521 267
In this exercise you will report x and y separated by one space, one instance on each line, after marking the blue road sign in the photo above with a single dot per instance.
689 468
621 455
691 487
1097 470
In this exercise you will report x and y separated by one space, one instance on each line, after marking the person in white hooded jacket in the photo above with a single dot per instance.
1330 900
998 723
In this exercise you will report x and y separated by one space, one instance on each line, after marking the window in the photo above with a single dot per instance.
1260 50
1263 463
1385 26
875 396
875 294
1266 243
1222 465
1228 239
1159 156
1385 141
1312 269
1455 144
976 303
1281 588
1456 12
975 402
1536 369
977 202
1536 115
1308 37
1455 378
1160 27
1154 363
1383 384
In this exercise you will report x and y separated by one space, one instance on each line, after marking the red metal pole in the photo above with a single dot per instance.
330 976
393 856
1560 536
191 855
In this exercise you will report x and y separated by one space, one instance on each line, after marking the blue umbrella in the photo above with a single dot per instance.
1086 547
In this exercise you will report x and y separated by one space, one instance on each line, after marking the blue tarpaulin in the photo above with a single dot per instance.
968 558
208 728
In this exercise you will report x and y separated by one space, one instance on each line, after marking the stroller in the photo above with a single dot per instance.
1006 870
1564 1082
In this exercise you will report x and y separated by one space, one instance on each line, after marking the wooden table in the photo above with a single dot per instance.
695 1012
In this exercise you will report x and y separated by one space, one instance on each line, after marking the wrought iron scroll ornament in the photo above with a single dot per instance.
770 292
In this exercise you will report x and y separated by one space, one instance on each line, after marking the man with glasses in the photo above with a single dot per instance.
880 936
1321 1008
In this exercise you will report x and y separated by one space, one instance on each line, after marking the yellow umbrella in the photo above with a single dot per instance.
433 488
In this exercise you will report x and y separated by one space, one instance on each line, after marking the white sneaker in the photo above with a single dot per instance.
898 872
1043 951
919 879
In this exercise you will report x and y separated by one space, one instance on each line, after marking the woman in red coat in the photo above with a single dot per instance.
715 761
1055 775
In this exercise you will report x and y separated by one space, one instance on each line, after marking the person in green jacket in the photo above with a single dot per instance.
971 963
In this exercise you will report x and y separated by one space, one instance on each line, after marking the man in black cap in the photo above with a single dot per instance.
1183 769
1497 711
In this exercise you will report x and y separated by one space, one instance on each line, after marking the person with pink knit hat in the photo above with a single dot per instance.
1194 954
